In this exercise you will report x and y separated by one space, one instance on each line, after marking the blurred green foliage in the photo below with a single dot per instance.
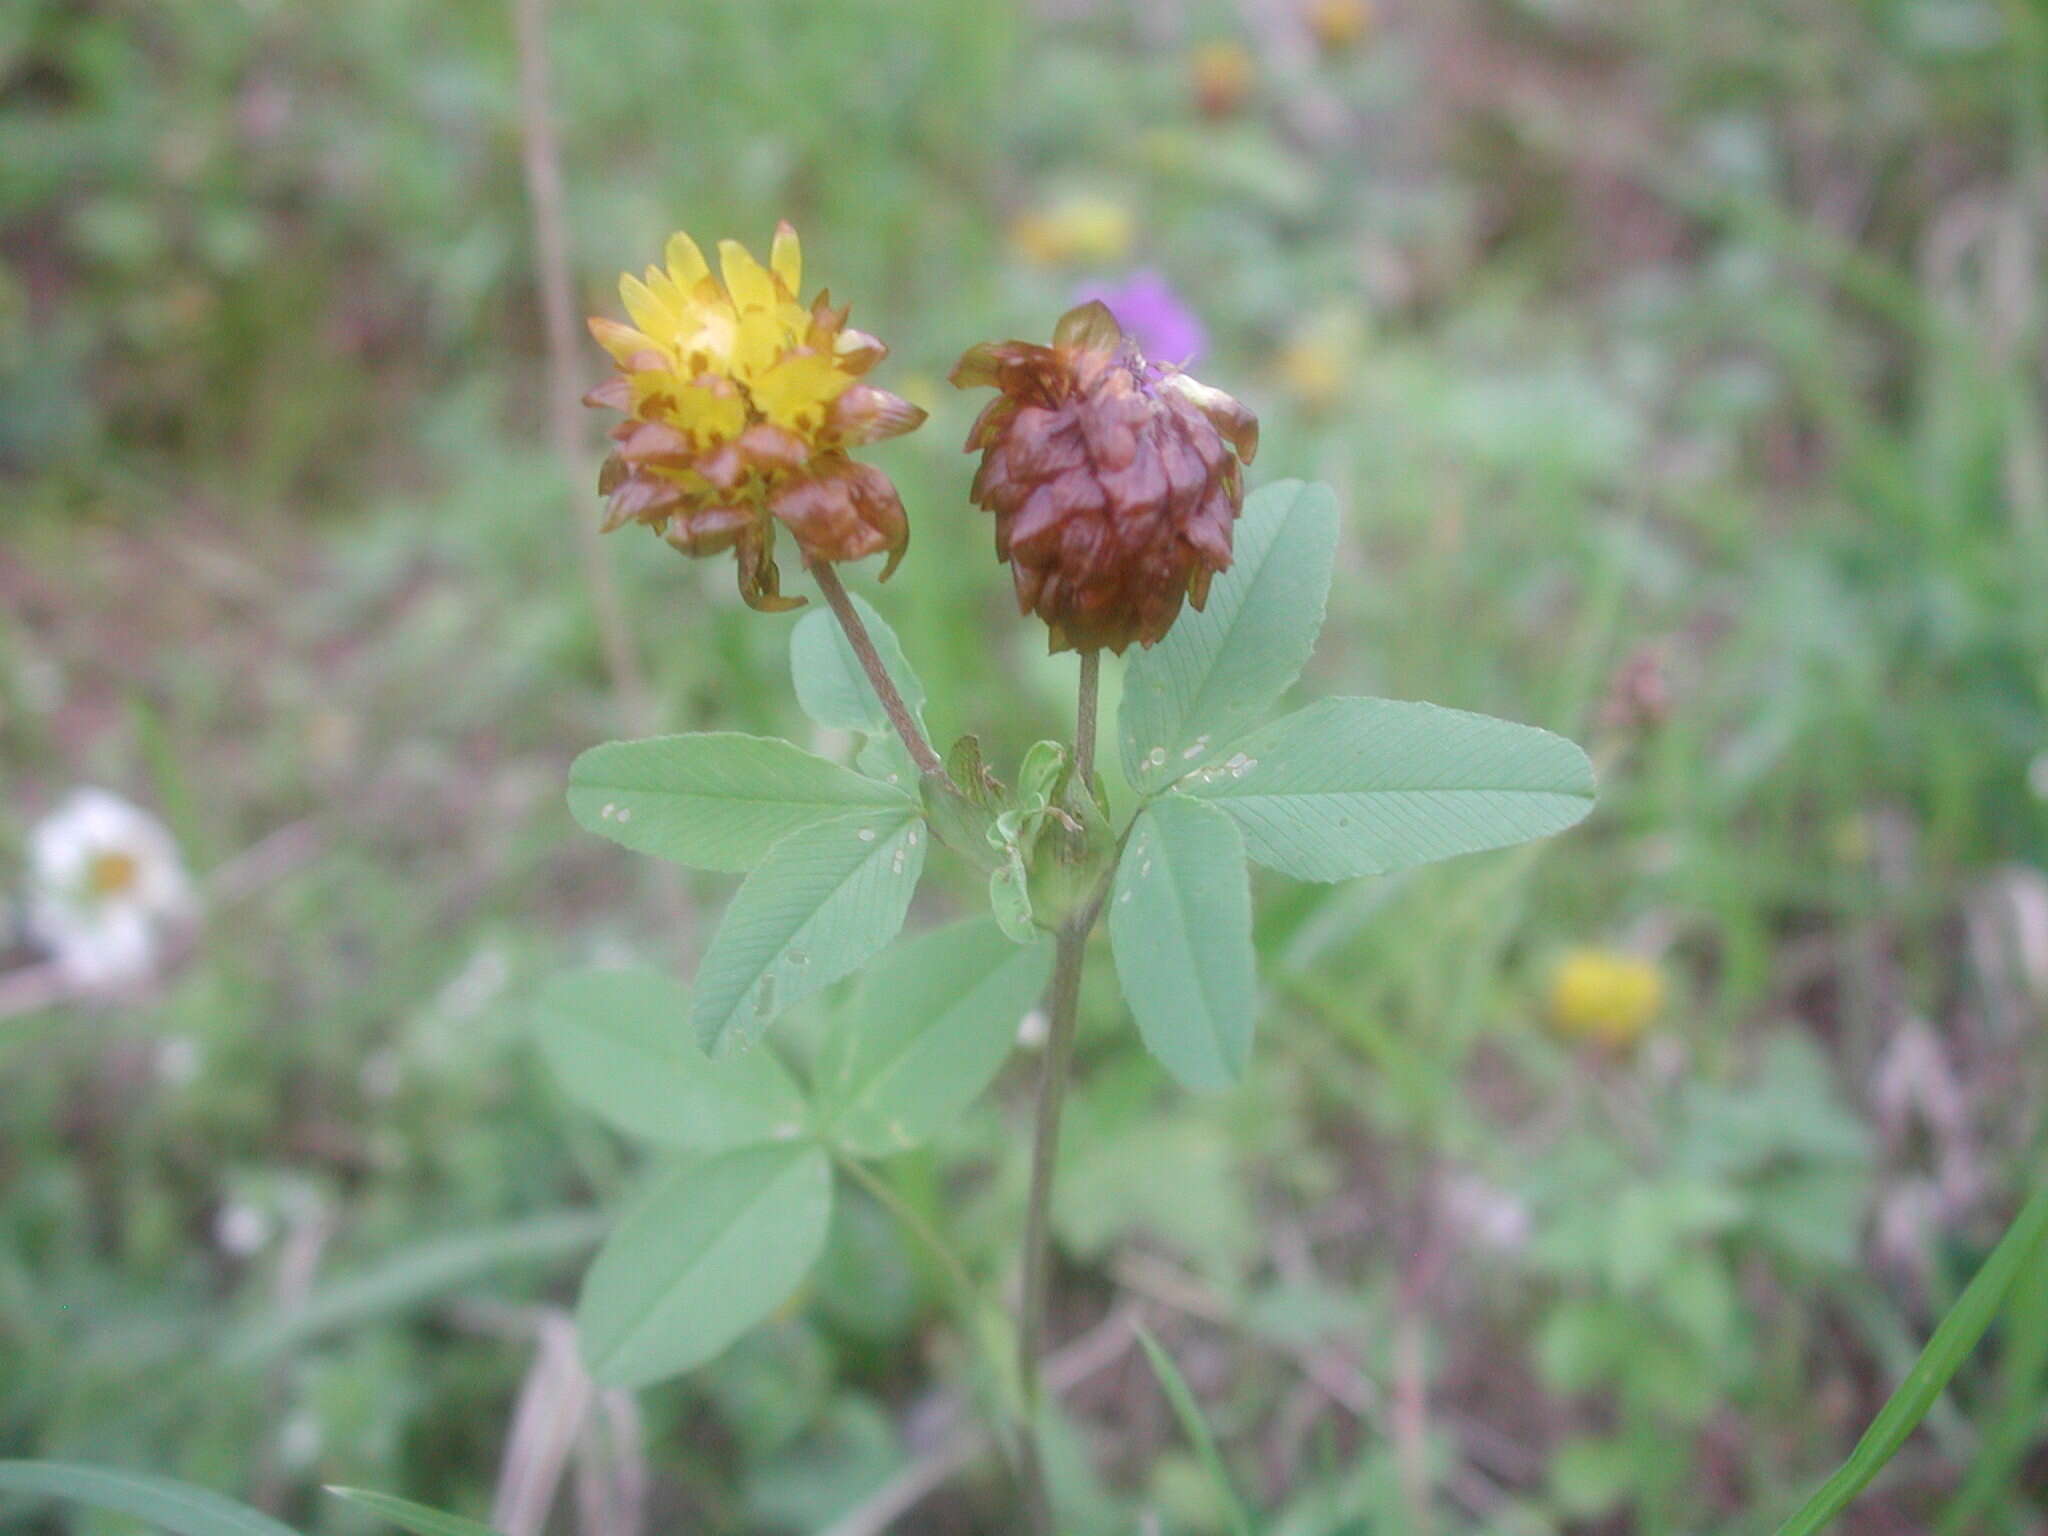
1681 372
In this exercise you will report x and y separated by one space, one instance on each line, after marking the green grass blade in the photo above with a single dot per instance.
409 1279
416 1274
1189 1412
162 1502
2022 1251
408 1516
2016 1422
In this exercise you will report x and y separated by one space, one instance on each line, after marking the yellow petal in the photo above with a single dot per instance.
745 278
622 341
708 416
759 343
786 257
648 312
707 342
797 392
686 264
665 291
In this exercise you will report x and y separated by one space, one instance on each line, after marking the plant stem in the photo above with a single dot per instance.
1063 1000
1084 721
863 644
1062 1003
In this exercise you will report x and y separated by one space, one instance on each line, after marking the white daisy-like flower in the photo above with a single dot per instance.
106 887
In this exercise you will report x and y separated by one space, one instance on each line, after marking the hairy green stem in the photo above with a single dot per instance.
1062 1004
1084 718
870 659
1063 999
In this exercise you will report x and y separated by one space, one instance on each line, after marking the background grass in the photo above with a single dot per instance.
1680 369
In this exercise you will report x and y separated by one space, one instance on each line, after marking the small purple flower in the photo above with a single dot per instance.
1152 315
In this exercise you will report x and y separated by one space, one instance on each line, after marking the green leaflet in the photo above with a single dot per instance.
932 1025
709 1250
820 905
1180 926
1218 671
620 1042
830 684
717 800
1350 787
833 690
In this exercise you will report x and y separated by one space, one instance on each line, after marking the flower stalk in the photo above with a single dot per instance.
1063 1007
857 636
1062 1002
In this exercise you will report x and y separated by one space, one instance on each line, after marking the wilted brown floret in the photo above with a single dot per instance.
843 506
1114 482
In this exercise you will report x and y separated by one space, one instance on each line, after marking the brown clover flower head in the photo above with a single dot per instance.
1115 482
740 406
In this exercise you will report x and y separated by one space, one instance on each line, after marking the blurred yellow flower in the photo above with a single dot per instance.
1222 73
1340 24
1088 227
1605 996
740 404
1318 361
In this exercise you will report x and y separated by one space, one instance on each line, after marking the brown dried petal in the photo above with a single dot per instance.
841 510
768 448
642 498
760 580
1088 327
707 530
1224 412
826 322
865 414
857 351
653 442
1021 368
723 466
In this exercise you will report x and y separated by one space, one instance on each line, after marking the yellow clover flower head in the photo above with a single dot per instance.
1605 997
740 405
